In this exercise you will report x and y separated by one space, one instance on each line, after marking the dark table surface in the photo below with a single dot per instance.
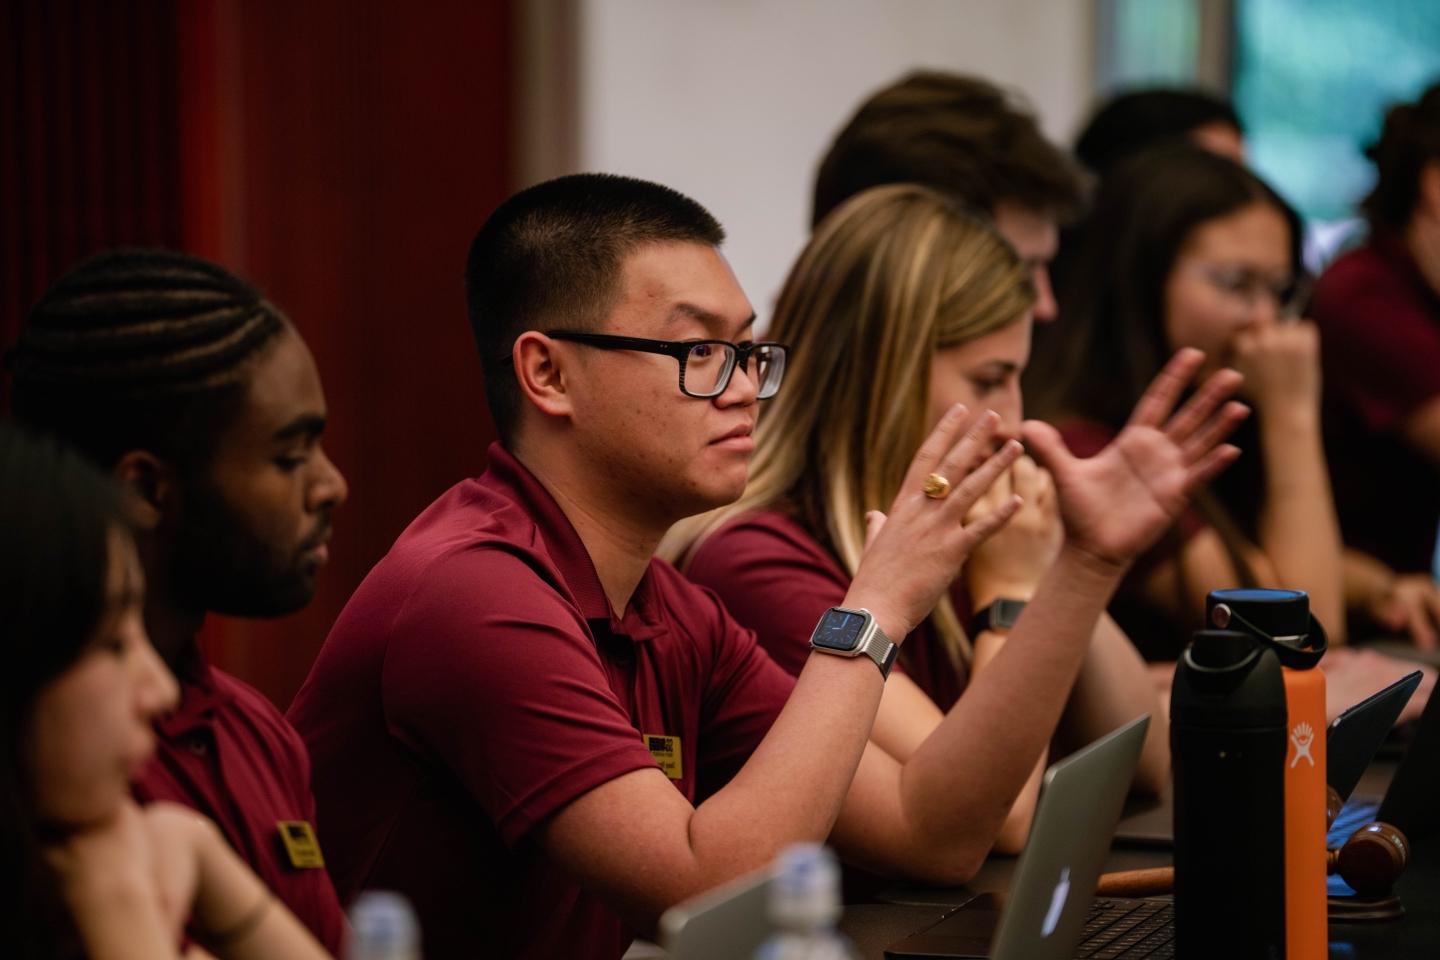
873 926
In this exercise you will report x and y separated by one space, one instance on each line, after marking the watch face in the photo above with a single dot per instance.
839 630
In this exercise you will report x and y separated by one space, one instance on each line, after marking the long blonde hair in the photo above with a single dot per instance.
889 278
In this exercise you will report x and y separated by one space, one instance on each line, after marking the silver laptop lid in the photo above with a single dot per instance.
1054 882
725 923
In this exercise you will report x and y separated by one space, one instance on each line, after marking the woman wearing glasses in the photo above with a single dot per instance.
90 874
900 307
1186 248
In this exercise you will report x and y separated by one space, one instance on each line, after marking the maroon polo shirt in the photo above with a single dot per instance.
1380 333
776 578
228 753
478 681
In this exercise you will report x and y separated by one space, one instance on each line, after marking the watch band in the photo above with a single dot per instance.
878 647
871 641
999 615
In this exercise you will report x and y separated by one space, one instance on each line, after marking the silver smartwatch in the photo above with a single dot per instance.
850 633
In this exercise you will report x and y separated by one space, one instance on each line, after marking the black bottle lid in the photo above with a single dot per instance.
1227 679
1280 619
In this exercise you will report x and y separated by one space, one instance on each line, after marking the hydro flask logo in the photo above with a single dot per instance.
1302 736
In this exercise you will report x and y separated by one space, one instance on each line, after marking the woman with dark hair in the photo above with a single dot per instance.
1186 248
1378 309
90 873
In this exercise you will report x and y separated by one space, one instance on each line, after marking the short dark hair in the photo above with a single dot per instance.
56 518
140 349
551 257
962 136
1409 140
1138 119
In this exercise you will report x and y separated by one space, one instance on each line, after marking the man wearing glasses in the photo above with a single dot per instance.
543 736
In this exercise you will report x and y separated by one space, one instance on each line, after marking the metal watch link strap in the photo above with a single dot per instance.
880 648
835 634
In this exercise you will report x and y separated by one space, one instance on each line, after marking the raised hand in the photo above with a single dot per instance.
914 556
1118 502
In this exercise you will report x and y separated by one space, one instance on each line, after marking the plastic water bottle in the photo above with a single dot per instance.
383 927
805 907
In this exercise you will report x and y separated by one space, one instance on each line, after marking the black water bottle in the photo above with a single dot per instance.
1228 744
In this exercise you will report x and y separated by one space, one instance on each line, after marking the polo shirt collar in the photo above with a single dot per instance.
199 699
567 550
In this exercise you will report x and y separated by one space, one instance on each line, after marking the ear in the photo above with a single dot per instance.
150 484
1429 189
541 373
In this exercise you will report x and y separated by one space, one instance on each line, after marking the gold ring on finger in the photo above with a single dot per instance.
936 487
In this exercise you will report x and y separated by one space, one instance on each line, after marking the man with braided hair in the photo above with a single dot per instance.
202 400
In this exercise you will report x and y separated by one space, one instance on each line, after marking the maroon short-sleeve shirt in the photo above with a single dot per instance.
478 681
777 579
228 753
1380 347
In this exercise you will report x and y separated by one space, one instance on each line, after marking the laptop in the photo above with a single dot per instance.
1049 905
1351 741
1414 791
728 922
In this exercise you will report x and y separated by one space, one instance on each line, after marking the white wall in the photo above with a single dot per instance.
734 101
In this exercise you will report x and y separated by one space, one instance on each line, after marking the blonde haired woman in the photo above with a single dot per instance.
900 307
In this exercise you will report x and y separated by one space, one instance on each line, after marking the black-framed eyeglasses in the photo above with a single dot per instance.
705 365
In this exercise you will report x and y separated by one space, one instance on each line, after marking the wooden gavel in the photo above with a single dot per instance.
1370 861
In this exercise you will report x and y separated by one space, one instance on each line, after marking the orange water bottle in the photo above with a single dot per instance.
1281 620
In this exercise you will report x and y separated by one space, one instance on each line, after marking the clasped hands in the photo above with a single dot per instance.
1113 505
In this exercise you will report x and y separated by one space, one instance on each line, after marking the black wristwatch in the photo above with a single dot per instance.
1000 615
847 632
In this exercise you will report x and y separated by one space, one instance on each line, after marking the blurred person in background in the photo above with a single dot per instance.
1137 120
88 872
1188 248
1378 308
200 398
938 305
970 140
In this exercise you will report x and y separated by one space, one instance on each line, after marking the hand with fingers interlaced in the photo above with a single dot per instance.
1011 563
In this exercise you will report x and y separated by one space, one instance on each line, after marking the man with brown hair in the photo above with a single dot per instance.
969 139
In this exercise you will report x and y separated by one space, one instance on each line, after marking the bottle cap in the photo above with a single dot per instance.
383 927
805 893
1280 619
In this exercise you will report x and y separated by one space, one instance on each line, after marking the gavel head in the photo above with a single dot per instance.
1372 859
1374 856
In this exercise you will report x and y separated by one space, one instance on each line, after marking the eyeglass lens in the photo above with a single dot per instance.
708 367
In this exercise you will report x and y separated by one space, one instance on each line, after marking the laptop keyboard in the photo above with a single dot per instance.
1128 928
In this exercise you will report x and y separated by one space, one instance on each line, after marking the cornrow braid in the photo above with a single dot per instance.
140 349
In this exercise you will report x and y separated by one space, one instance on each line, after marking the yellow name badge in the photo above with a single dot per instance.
300 844
666 751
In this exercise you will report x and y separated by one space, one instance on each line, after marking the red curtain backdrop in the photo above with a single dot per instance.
88 134
338 154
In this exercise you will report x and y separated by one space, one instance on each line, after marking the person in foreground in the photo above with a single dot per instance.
91 874
200 398
545 736
900 306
